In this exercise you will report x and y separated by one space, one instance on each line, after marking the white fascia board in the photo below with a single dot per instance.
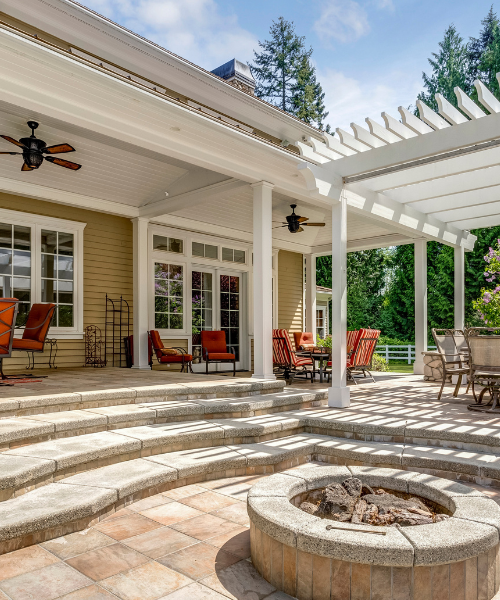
429 144
86 29
480 222
405 218
382 241
41 192
213 149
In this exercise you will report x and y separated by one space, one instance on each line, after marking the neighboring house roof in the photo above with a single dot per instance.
324 290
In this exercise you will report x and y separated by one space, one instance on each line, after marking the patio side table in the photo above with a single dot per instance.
318 357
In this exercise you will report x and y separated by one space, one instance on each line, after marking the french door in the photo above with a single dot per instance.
216 300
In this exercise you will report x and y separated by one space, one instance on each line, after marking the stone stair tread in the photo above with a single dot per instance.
22 427
373 452
123 412
449 459
67 452
201 460
51 506
172 433
68 419
270 452
16 470
126 478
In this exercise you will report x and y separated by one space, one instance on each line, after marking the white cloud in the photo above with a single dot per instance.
342 20
194 29
352 100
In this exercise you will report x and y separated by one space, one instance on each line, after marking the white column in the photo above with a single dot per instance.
420 305
339 393
141 288
311 294
459 275
263 280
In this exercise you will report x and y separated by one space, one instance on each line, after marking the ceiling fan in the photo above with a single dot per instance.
34 151
295 223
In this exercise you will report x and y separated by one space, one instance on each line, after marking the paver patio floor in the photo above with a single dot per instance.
133 555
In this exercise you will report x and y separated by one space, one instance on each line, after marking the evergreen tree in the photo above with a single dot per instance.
450 68
478 46
285 76
489 64
276 68
308 96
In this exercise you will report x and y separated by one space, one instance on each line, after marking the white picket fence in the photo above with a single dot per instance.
391 352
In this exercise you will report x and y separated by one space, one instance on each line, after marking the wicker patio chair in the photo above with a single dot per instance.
484 345
453 351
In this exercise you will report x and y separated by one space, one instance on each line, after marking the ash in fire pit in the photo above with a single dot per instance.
353 502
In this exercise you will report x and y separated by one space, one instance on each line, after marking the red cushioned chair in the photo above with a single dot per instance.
286 361
304 340
35 331
168 355
214 349
8 315
359 361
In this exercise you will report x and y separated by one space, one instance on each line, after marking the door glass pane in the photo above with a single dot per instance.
201 304
168 296
230 311
15 266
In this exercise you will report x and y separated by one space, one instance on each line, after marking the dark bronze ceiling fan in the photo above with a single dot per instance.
34 151
295 223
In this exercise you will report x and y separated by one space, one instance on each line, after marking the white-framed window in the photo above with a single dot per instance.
204 250
233 255
41 260
169 295
168 244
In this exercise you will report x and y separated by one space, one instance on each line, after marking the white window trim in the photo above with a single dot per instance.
187 260
37 223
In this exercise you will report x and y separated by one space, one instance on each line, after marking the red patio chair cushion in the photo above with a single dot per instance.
7 315
220 356
214 342
303 338
176 358
38 323
27 345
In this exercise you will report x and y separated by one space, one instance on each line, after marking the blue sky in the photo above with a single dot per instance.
369 54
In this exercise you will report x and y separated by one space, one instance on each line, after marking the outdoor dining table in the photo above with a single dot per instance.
319 357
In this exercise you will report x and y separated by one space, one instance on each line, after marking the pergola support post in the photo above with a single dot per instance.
310 324
263 280
338 392
420 305
459 288
141 285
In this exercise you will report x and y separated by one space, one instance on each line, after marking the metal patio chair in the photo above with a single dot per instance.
484 345
285 361
453 350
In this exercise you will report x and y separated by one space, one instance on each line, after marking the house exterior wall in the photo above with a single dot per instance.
107 268
290 291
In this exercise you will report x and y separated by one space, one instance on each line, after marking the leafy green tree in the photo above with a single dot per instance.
308 96
450 68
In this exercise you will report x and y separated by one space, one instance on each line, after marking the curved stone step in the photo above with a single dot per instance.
49 403
77 501
20 431
35 465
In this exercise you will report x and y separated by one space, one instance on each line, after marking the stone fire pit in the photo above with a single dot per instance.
313 558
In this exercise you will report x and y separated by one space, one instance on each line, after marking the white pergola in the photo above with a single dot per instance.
445 166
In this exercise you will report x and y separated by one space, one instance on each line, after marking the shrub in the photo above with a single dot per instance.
384 340
324 343
379 363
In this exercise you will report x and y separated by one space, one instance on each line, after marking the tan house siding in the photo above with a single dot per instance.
107 268
290 291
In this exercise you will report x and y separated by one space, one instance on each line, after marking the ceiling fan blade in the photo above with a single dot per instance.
13 141
58 148
11 153
314 224
298 230
302 219
25 167
280 226
63 163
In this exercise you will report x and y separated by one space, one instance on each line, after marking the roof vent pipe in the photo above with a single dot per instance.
238 74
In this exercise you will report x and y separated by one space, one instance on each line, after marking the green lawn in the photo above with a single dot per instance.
400 367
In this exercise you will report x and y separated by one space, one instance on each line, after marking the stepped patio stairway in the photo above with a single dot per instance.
62 471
